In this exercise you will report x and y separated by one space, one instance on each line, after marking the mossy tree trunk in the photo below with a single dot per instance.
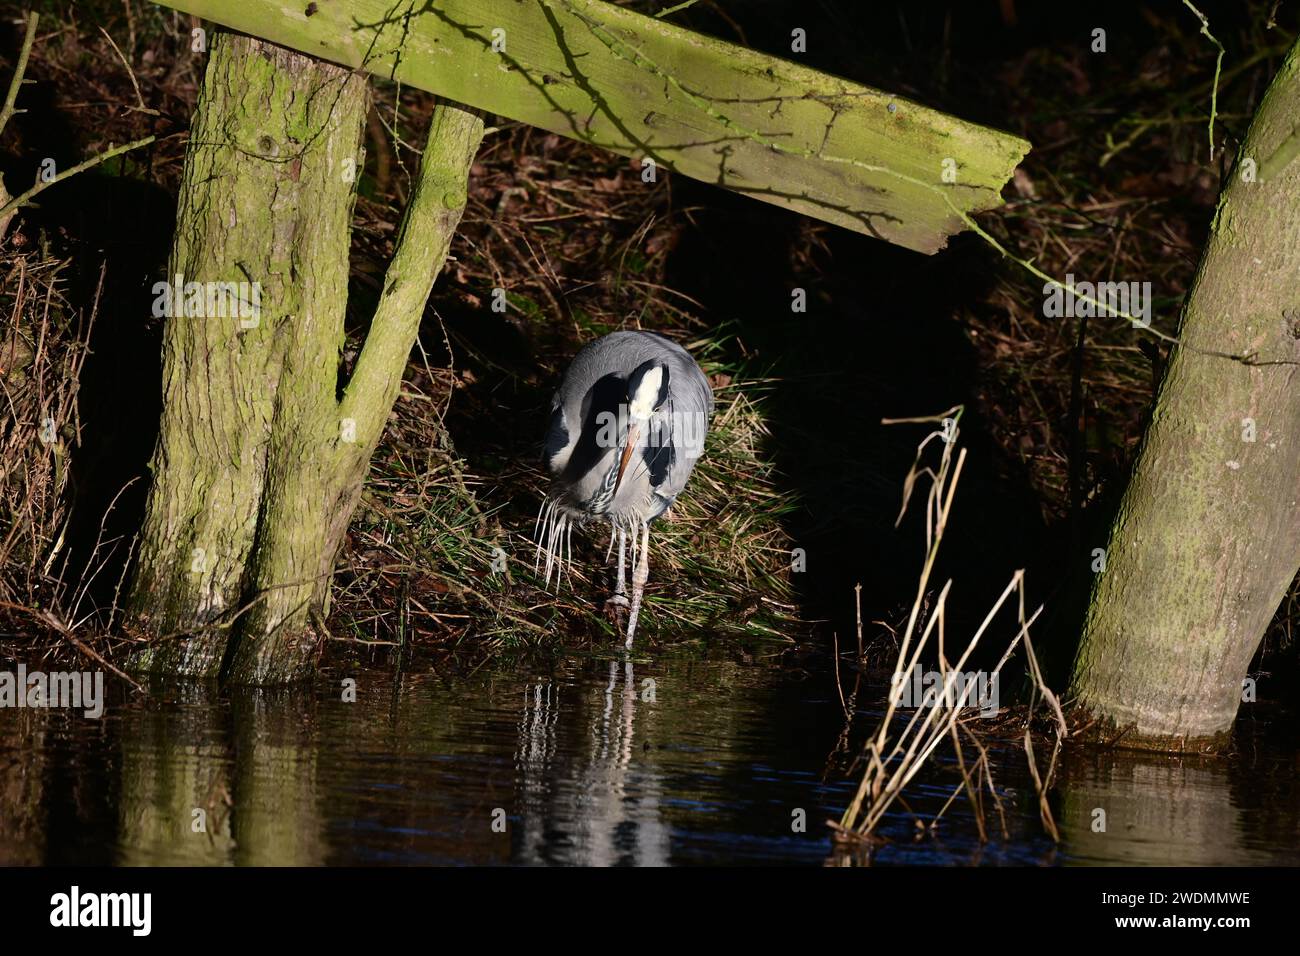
1207 538
263 199
259 462
321 445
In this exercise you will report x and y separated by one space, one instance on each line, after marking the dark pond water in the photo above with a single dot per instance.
574 761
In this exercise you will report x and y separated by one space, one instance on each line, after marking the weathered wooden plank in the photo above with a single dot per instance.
767 127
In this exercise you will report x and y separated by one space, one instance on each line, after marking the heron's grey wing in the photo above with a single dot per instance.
560 441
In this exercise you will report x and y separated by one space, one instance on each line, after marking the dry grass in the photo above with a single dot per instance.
420 558
893 757
42 351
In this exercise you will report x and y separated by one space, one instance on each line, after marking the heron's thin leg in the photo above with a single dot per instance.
640 574
619 598
621 586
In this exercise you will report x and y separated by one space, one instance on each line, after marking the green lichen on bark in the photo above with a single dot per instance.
1207 537
256 472
263 199
320 452
773 129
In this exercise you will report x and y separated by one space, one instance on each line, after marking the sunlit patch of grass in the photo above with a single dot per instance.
427 561
726 539
720 558
719 563
422 560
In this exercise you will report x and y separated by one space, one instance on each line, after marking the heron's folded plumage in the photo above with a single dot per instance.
590 415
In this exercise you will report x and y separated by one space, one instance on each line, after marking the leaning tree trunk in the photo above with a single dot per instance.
259 464
1207 538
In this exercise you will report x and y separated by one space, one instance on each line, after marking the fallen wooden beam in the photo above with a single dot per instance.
711 110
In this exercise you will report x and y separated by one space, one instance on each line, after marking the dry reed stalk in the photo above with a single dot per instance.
893 760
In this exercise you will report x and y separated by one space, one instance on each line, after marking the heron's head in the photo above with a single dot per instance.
647 393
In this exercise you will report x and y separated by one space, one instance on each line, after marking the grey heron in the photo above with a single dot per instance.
628 423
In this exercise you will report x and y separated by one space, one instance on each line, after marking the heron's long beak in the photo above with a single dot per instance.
629 446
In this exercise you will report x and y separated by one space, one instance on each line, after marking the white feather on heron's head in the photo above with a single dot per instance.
647 390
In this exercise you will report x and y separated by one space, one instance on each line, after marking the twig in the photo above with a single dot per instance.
9 110
18 202
48 617
1218 68
130 74
671 10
